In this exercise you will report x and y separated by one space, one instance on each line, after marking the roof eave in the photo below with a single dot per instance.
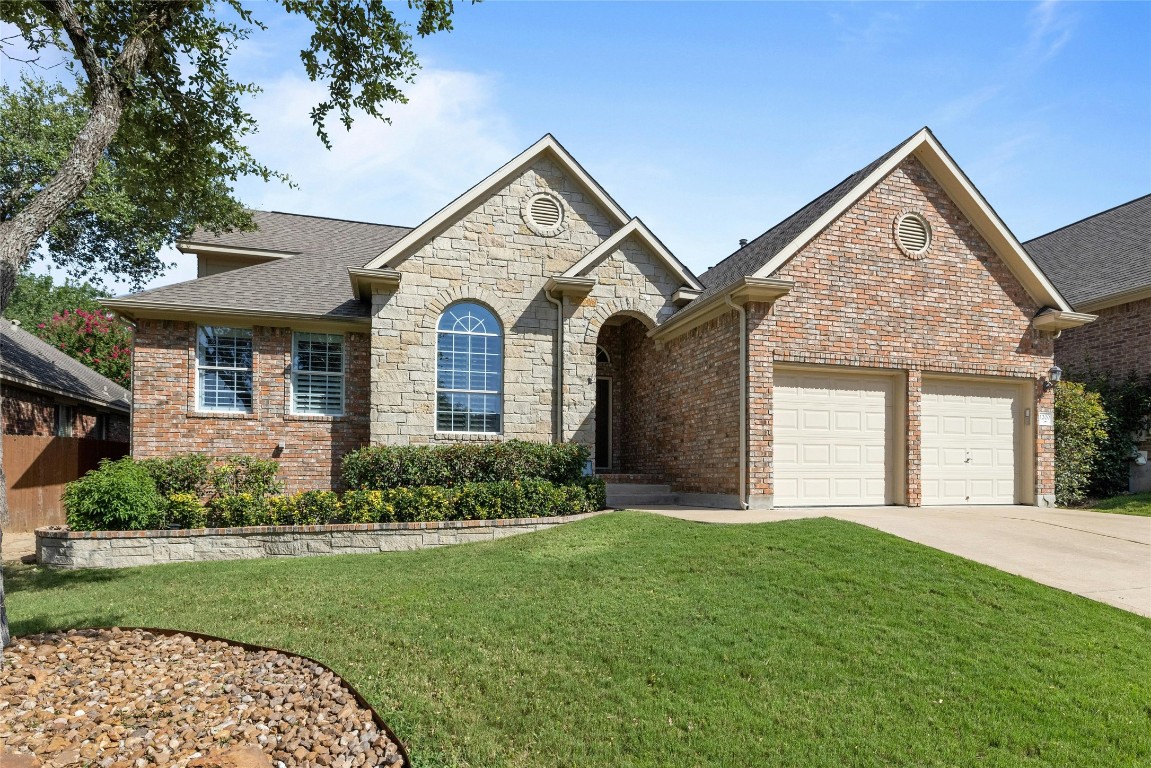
365 281
1059 320
746 289
33 384
133 310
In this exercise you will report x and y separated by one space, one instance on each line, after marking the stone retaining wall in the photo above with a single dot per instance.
122 549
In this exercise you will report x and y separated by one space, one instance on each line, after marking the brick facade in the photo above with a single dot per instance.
1118 342
167 421
35 413
859 302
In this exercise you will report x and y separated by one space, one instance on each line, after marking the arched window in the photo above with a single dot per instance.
469 370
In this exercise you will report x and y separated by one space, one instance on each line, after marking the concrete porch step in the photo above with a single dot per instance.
612 478
639 494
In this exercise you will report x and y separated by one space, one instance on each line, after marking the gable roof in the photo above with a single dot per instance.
29 362
762 257
1104 259
644 235
449 214
314 282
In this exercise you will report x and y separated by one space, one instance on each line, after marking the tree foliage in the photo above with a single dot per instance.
37 298
149 140
1127 402
1080 429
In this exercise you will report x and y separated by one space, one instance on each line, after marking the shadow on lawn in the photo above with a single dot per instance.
20 577
22 626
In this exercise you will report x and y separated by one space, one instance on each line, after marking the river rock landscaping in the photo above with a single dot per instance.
118 698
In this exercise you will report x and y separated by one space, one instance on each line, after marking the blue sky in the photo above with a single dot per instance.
712 121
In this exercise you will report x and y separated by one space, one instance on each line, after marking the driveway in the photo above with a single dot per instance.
1101 556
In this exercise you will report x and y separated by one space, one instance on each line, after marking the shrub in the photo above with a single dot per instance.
596 490
368 507
1127 402
1079 431
240 475
185 474
118 495
237 511
382 467
318 508
186 511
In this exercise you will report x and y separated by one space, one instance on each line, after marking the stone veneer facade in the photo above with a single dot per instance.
491 256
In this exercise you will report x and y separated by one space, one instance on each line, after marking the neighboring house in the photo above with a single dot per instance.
60 419
886 344
46 393
1102 264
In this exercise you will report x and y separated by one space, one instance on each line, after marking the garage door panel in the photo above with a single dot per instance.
834 451
969 432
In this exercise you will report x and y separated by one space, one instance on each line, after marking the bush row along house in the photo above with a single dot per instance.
889 343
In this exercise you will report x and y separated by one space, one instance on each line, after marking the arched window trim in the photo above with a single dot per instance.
470 365
601 355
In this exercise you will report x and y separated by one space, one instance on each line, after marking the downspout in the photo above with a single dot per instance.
743 501
558 399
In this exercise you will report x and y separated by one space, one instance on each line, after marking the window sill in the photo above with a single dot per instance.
234 415
461 437
321 417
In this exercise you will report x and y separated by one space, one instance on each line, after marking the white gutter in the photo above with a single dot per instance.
743 503
558 417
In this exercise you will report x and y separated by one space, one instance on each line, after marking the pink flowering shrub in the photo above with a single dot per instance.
93 338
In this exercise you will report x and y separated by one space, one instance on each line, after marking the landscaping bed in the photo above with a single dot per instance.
126 698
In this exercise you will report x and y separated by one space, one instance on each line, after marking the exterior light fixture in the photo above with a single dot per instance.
1054 376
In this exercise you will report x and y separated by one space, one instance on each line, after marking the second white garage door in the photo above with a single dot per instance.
969 436
831 438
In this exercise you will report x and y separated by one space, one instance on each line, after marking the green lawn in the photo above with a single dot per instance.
635 640
1134 504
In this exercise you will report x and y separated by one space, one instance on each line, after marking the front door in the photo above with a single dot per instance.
603 424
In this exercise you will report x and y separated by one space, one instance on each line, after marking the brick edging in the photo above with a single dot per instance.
55 532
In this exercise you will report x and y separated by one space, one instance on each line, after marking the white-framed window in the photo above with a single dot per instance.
65 418
469 370
318 374
224 369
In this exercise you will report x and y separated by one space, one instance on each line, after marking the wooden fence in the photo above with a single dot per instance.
37 469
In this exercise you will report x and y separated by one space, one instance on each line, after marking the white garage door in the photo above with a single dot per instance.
831 438
969 442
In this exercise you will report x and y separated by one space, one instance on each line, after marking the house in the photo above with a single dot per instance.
60 419
888 343
1102 264
46 393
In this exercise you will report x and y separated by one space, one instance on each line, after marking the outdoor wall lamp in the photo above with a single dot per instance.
1053 377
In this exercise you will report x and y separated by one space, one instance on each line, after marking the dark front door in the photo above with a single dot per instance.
603 423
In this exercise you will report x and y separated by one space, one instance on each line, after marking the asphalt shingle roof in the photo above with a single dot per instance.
753 256
314 282
1101 256
29 362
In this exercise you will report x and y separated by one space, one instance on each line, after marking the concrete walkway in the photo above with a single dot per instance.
17 545
1101 556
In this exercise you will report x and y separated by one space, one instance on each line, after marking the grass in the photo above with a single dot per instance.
635 640
1130 504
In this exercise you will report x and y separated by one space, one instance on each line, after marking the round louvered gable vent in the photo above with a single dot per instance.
912 234
544 214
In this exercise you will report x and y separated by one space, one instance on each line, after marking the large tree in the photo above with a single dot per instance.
148 141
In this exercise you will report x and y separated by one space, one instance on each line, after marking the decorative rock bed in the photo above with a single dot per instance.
130 698
63 548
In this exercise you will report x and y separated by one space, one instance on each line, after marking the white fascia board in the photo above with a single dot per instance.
466 202
969 200
211 249
638 228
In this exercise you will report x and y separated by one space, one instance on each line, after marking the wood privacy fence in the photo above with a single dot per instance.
37 468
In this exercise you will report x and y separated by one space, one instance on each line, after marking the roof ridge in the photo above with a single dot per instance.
1088 218
333 218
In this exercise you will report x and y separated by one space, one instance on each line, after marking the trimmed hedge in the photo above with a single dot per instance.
382 467
126 495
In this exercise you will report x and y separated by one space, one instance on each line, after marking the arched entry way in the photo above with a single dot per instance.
627 432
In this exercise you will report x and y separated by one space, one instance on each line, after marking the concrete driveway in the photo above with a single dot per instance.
1101 556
